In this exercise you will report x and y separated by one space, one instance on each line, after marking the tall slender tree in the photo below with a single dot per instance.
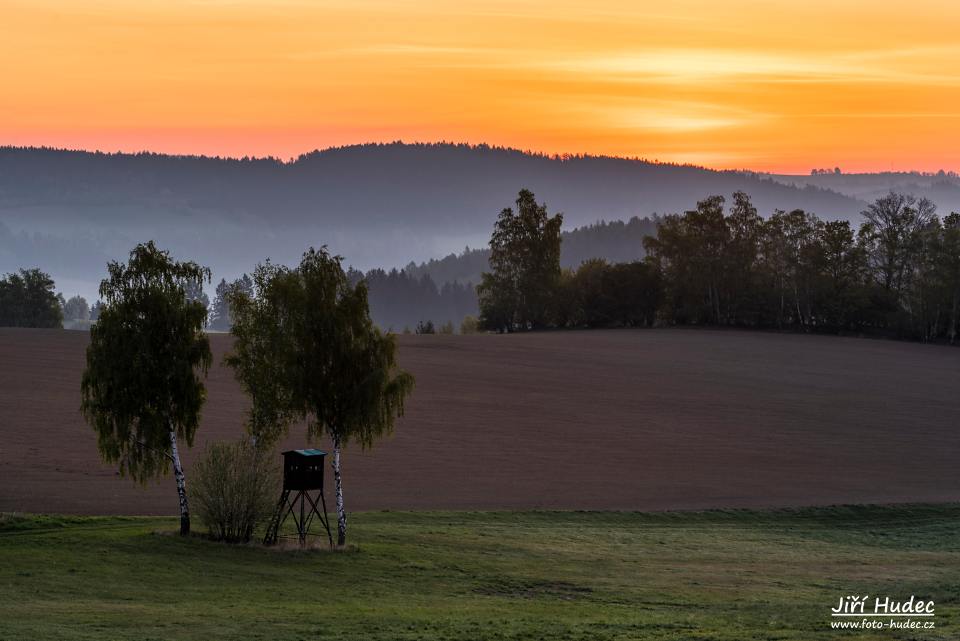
519 291
690 251
892 231
142 389
305 348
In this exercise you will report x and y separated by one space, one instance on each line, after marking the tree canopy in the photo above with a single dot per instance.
897 275
525 267
306 349
142 389
27 299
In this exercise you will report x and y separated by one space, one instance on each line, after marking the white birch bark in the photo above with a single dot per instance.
181 485
341 513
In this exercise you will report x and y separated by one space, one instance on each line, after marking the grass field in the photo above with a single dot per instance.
484 575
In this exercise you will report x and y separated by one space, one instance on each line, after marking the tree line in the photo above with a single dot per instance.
398 301
897 274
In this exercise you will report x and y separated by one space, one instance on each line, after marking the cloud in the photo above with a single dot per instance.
657 116
703 66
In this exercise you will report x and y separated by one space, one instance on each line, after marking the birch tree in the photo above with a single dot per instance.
142 389
519 290
306 349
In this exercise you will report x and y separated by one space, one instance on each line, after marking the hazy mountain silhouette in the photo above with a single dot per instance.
941 187
617 241
379 205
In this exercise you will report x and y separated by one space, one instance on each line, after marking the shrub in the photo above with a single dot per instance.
470 325
234 488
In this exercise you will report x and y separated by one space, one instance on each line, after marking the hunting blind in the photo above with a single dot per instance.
302 474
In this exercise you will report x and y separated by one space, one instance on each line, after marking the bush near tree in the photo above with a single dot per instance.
234 488
470 325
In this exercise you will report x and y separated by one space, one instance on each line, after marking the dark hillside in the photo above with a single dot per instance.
379 205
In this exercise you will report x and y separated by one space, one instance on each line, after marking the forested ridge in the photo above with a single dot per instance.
616 240
377 205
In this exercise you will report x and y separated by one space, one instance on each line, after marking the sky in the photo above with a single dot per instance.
763 85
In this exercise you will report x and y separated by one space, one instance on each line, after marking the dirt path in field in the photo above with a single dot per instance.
633 420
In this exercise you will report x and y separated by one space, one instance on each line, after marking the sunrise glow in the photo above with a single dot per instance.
867 86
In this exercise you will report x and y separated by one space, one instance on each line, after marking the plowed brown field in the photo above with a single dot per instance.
622 419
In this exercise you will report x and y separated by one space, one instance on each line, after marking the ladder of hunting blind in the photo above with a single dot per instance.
279 515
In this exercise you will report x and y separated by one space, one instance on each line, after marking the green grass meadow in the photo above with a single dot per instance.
731 575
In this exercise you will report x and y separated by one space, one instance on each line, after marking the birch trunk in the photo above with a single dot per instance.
181 485
341 513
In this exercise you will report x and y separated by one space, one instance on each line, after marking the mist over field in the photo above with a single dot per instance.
378 205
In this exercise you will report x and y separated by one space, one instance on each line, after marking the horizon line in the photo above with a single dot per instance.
560 156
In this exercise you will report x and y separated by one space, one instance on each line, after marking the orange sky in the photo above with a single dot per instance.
760 84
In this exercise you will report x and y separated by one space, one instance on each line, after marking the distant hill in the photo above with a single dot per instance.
617 241
379 205
941 187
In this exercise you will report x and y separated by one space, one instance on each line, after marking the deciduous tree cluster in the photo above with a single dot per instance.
27 299
897 275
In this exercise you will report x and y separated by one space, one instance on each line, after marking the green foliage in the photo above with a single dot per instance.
146 354
234 489
27 299
306 348
599 294
518 293
898 275
947 279
689 251
893 235
720 575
